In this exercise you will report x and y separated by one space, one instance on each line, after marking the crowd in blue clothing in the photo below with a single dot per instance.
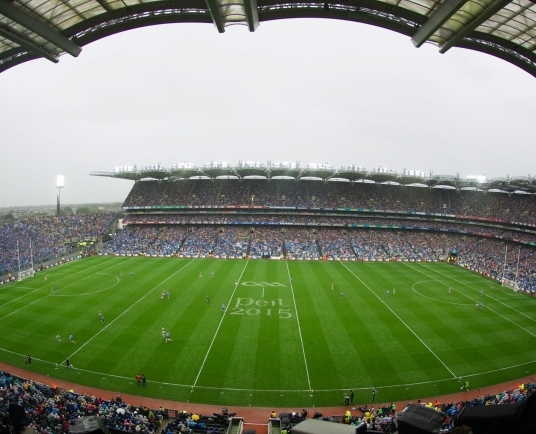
267 242
492 257
51 237
164 241
231 242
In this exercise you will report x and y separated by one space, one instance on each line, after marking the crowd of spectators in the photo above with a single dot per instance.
157 241
49 410
283 219
492 257
378 419
188 423
301 244
520 208
51 237
266 242
232 242
333 244
200 242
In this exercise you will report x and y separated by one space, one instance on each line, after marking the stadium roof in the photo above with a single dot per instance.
31 29
324 172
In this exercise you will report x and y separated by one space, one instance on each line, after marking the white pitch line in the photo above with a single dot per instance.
487 295
23 295
219 325
49 294
92 292
20 287
474 300
401 320
299 327
235 389
34 290
126 310
432 298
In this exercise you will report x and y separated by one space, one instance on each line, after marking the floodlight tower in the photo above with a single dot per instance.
60 183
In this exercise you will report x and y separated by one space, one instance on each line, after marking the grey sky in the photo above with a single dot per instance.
304 90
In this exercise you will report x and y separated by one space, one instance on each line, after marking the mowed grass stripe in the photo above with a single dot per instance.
316 310
346 334
257 331
478 336
216 331
257 359
495 340
38 315
419 329
492 299
458 341
93 344
507 313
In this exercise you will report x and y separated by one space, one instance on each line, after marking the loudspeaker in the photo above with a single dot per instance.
415 419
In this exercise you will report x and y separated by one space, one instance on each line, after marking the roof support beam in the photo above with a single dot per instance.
27 45
436 20
105 5
252 14
38 27
492 9
213 8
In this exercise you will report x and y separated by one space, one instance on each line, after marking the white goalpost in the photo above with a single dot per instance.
509 283
27 272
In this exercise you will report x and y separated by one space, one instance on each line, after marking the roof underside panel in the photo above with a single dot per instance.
465 15
514 23
502 28
422 7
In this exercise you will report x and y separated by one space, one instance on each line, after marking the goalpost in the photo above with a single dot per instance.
508 282
512 284
27 272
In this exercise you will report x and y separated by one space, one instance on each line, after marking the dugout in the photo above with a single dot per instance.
453 256
316 426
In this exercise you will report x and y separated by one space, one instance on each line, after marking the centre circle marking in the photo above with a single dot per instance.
433 298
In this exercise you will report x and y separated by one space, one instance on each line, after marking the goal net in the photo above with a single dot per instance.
510 284
23 274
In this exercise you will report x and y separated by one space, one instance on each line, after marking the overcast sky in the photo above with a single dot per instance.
304 90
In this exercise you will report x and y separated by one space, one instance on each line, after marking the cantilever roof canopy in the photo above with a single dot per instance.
31 29
524 184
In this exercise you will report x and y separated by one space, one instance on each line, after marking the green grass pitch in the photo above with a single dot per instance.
286 338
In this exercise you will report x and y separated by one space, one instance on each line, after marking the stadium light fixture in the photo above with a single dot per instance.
478 178
60 183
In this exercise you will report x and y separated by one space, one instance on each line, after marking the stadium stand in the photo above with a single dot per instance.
49 409
51 238
493 233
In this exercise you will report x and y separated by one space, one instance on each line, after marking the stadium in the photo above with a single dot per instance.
222 265
304 298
